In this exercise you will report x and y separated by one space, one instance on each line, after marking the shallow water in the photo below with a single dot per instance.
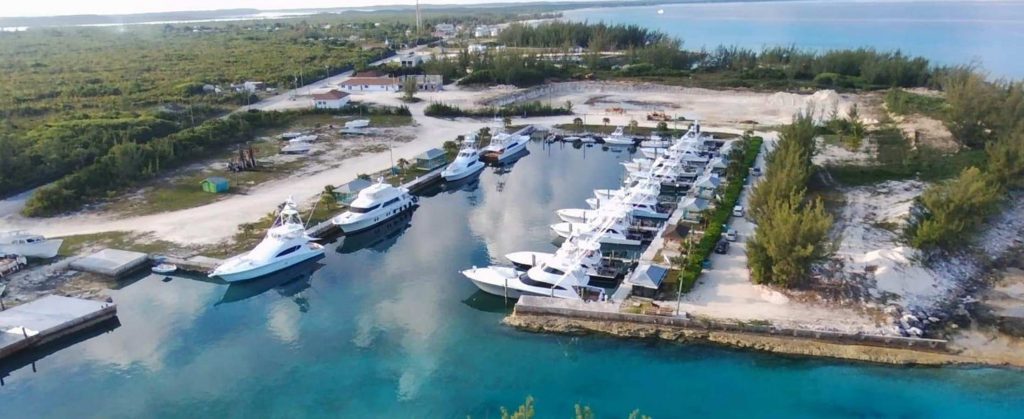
388 328
947 32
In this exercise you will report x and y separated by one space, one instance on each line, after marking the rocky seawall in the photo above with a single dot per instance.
775 344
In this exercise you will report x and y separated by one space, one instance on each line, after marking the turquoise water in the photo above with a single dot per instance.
988 33
388 328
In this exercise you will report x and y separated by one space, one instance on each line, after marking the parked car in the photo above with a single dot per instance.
755 171
737 211
731 234
722 247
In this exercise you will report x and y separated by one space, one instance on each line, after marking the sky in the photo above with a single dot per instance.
10 8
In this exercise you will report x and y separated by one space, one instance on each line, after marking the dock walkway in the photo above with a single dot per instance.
49 318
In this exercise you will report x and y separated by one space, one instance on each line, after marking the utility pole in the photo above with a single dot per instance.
419 21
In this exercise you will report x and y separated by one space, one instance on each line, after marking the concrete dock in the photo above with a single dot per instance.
34 324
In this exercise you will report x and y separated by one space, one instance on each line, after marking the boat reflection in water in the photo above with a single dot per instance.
378 238
503 168
288 282
482 301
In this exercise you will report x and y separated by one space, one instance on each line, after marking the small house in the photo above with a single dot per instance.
693 208
647 279
348 192
431 159
426 82
706 185
371 84
215 184
333 99
411 60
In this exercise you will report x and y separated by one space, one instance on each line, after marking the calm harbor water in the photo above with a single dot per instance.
946 32
386 327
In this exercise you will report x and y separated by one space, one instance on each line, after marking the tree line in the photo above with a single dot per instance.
792 228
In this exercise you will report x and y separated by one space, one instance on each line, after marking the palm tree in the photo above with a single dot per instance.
606 121
578 122
507 120
633 125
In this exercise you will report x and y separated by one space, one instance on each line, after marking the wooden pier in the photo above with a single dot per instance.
195 264
39 322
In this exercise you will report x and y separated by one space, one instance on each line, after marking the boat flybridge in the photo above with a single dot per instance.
565 274
504 145
375 204
648 208
466 163
618 138
286 244
29 245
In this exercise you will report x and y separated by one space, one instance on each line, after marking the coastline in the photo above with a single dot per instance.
782 345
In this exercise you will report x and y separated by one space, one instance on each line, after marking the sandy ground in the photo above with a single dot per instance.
726 291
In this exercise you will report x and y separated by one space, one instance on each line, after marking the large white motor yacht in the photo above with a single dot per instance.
375 204
504 145
643 209
465 164
28 245
618 138
286 244
559 277
589 250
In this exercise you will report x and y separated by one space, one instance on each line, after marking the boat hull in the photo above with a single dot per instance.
42 249
499 156
366 223
270 268
464 172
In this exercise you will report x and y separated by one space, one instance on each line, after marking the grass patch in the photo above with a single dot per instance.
902 102
390 120
895 161
123 240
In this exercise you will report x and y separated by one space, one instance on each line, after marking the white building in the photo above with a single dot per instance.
371 84
444 30
426 82
411 60
477 48
332 99
252 86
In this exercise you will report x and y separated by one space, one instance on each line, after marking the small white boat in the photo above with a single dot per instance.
286 244
164 268
504 145
296 148
29 245
290 135
304 139
357 124
374 205
618 138
465 164
661 11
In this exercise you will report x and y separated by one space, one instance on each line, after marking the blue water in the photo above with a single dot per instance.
388 328
988 33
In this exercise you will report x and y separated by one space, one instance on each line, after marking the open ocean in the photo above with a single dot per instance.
987 33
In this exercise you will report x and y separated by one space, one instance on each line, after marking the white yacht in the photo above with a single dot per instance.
559 277
286 244
618 138
465 164
375 204
28 245
504 145
358 123
590 255
614 234
644 209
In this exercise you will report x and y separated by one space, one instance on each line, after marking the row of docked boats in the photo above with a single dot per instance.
287 243
610 220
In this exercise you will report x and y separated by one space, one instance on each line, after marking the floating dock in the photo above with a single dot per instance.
111 262
36 323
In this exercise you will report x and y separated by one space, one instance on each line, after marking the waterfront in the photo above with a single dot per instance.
946 32
388 328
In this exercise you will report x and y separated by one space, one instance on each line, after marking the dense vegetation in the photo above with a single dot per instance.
740 162
560 34
791 228
443 110
982 115
496 67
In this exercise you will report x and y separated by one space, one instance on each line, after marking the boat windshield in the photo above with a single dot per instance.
359 210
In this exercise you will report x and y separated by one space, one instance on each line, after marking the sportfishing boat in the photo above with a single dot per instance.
504 145
618 138
590 250
559 277
286 244
465 164
375 204
644 209
29 245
